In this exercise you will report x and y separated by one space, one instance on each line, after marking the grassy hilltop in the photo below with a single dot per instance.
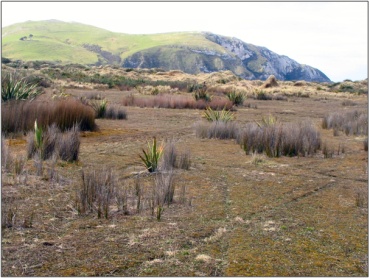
191 52
60 41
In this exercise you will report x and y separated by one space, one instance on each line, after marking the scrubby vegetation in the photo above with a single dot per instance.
260 185
16 87
20 116
351 123
176 102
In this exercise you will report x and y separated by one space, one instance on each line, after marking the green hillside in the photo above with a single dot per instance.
191 52
60 41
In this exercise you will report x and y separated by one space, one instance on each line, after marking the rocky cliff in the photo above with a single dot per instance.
245 60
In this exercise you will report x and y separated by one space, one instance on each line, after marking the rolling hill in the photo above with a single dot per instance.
191 52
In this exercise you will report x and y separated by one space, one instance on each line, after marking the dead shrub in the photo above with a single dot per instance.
96 192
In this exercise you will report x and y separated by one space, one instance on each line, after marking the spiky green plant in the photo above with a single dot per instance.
237 98
267 121
218 116
100 107
152 156
38 136
16 87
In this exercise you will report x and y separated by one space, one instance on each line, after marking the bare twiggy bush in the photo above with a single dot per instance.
351 123
139 193
163 192
96 192
122 196
172 159
8 213
327 151
69 145
218 130
37 160
169 156
290 139
184 161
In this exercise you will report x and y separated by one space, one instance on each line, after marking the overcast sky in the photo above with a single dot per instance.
330 36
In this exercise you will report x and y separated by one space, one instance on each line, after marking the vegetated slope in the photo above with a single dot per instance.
191 52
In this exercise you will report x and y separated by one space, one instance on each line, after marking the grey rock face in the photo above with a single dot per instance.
245 60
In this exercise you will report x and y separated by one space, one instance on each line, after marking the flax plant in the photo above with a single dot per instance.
218 116
152 156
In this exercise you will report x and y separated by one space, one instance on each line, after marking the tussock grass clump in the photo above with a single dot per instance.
53 142
172 159
176 102
218 130
290 139
20 116
351 123
262 95
115 112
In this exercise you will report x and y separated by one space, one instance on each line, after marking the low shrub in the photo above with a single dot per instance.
115 112
218 130
172 159
65 145
290 139
100 107
351 123
261 95
163 192
20 116
96 192
176 102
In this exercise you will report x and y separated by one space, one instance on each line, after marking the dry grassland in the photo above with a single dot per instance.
240 215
